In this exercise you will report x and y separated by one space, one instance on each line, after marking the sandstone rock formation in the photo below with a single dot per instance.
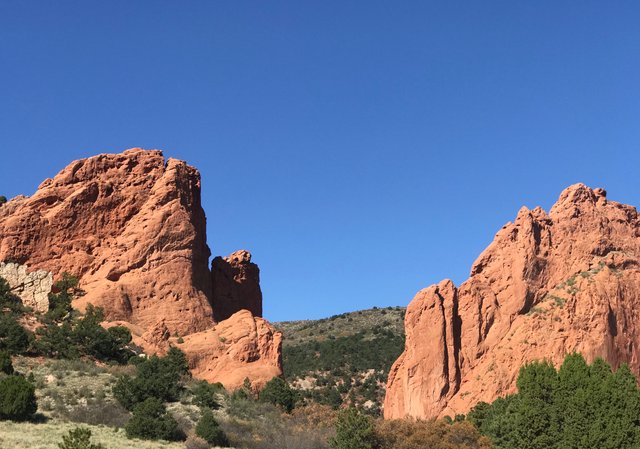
548 285
32 287
132 228
236 285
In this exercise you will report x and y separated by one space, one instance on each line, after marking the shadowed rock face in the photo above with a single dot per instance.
548 285
132 228
236 285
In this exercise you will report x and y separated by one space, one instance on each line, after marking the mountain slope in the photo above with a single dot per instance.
344 358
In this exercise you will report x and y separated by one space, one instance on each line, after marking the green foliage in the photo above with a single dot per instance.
60 303
334 362
209 430
353 431
156 378
204 394
13 337
3 199
84 336
17 398
278 392
150 421
6 366
78 438
577 407
9 301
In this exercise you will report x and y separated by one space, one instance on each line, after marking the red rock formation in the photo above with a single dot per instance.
548 285
131 227
236 285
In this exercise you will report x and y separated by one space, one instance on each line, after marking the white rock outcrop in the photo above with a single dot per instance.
32 288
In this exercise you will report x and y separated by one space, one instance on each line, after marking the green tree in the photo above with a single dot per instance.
204 394
209 430
17 399
13 337
156 378
78 438
353 431
150 421
278 392
60 303
7 299
6 366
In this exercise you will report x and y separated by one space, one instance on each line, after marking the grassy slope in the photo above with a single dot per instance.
47 435
344 358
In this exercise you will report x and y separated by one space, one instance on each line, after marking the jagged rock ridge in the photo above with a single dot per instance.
132 228
548 285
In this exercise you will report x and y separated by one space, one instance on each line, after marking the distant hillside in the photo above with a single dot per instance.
343 358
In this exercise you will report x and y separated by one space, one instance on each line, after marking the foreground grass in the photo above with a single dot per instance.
48 435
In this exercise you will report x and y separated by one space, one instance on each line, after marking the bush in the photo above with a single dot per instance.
3 199
150 421
6 366
13 337
78 438
156 378
209 430
353 431
7 299
194 442
17 399
204 394
278 392
60 303
409 434
75 337
577 406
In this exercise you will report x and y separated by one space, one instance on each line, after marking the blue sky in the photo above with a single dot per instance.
360 150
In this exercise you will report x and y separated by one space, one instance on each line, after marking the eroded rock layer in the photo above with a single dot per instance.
32 287
132 228
548 285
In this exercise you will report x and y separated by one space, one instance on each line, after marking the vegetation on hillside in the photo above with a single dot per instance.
579 406
343 360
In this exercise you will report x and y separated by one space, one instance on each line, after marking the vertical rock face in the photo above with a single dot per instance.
132 228
32 287
548 285
236 285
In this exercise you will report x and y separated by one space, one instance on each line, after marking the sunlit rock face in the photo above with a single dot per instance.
131 227
549 284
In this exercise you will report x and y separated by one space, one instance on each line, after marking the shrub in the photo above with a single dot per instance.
577 406
156 378
95 341
6 366
60 303
150 421
194 442
13 337
353 431
17 399
3 199
204 394
278 392
7 299
409 434
209 430
78 438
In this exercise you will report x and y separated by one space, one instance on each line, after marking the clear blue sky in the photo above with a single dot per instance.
361 150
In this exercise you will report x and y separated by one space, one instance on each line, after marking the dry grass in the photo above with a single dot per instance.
48 435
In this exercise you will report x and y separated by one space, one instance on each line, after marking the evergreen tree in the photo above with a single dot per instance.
209 430
353 431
